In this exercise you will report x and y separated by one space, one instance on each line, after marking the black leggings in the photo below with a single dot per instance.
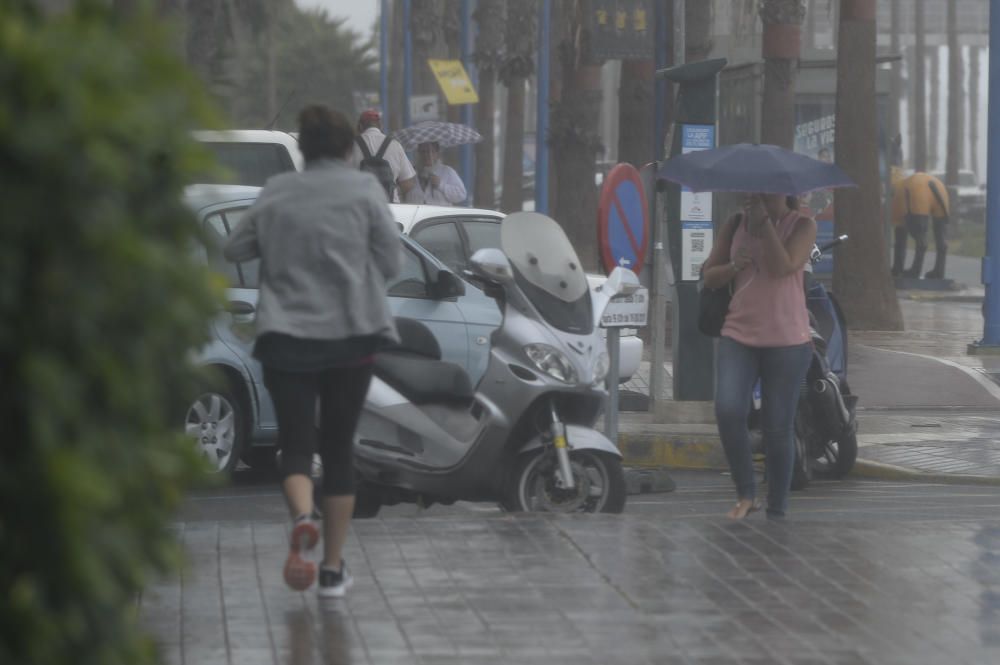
341 392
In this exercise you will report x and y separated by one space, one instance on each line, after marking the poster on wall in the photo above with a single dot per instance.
697 231
814 134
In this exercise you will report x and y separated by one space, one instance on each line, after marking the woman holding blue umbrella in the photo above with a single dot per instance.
762 253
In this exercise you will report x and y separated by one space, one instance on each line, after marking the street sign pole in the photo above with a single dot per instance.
611 414
991 262
542 119
658 283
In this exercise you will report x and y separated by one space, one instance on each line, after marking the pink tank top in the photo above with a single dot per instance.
766 311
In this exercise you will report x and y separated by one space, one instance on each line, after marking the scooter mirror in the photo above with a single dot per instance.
492 264
622 282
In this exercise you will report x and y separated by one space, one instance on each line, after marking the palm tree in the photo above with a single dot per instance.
518 65
635 113
895 75
861 276
782 21
974 55
953 161
918 101
488 55
574 134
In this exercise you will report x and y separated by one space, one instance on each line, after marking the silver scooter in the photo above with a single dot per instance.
525 436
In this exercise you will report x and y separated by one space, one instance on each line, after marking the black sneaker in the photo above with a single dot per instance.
334 583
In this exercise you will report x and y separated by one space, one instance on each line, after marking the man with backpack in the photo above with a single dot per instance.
383 157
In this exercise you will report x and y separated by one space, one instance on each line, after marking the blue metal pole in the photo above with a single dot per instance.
467 155
407 63
383 58
991 262
542 123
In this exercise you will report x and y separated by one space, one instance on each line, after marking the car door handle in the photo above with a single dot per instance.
240 308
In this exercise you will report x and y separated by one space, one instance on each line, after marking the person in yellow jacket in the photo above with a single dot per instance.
916 201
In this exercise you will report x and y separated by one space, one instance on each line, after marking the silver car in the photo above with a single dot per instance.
233 418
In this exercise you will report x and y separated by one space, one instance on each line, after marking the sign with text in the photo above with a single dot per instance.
626 311
621 29
454 81
697 230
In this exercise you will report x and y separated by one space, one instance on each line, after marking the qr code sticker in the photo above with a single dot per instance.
697 242
695 270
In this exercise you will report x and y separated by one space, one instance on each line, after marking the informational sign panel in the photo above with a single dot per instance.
622 220
621 29
454 81
424 107
697 232
626 311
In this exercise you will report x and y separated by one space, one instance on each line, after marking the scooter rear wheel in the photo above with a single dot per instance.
599 484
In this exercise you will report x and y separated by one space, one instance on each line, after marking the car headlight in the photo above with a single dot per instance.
601 368
552 361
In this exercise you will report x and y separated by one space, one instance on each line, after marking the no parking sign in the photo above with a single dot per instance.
623 220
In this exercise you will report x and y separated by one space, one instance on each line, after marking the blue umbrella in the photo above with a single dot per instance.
750 167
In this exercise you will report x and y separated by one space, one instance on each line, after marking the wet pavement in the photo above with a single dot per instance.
926 406
862 572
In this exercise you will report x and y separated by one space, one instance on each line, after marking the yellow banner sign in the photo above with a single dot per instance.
454 81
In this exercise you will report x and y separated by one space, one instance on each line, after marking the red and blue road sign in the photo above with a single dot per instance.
623 220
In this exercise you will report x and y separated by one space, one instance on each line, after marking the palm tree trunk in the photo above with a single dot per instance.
518 66
974 54
861 276
781 48
513 151
576 142
919 99
489 16
934 115
635 113
395 105
895 75
953 157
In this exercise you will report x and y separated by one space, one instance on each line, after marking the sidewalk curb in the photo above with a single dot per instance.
943 297
703 451
880 470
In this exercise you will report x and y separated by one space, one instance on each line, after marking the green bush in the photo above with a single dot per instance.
101 303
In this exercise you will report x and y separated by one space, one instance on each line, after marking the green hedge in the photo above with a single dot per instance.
100 306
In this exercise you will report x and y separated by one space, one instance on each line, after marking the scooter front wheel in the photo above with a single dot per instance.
598 487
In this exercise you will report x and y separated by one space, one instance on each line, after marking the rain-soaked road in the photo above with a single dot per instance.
863 572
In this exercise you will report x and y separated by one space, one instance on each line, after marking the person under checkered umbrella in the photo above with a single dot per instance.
437 183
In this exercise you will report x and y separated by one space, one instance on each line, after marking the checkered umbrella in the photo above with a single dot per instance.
446 134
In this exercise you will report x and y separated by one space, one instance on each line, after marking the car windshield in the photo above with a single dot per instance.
249 163
548 270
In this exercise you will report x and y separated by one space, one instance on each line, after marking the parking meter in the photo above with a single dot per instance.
689 227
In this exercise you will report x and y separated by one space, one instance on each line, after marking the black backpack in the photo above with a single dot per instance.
377 165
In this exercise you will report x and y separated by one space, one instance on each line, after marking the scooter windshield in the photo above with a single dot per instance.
548 270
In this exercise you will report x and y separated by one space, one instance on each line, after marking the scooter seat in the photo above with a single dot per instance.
424 380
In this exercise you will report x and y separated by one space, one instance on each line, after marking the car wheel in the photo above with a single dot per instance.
215 422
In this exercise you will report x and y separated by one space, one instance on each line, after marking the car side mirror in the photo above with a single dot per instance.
447 285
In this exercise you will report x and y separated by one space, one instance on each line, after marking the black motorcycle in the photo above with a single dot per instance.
826 440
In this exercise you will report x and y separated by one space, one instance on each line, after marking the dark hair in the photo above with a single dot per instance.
324 133
792 202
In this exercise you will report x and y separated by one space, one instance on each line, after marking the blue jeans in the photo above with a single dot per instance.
781 371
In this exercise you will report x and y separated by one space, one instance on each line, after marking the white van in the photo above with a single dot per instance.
252 155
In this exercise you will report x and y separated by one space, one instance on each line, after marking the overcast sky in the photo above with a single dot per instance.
360 13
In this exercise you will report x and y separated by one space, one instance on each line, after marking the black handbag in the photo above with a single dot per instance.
713 305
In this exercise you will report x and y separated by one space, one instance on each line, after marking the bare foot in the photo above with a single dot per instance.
743 508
